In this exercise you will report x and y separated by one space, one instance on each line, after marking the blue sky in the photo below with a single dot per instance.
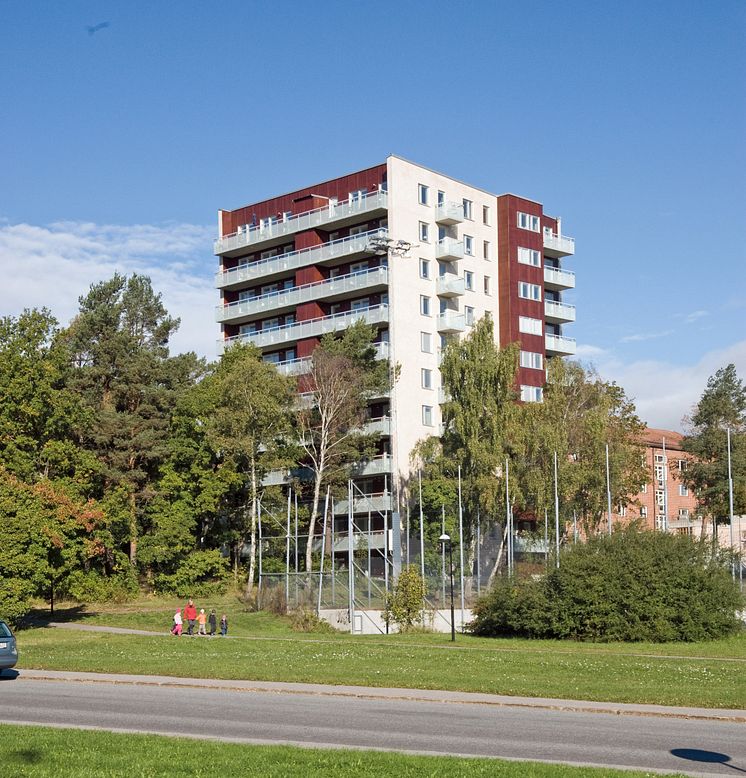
627 119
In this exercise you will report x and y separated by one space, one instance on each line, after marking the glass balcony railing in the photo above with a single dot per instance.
557 278
558 344
558 311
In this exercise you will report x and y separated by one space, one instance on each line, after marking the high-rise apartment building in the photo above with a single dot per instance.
312 261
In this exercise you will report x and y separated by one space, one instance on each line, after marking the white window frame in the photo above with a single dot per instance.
530 257
530 326
487 284
426 378
683 490
424 268
643 511
468 209
468 280
426 342
469 245
486 215
486 249
529 291
424 232
527 221
425 307
423 194
427 415
469 315
532 360
531 394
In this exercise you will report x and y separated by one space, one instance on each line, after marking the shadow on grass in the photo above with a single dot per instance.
39 617
25 755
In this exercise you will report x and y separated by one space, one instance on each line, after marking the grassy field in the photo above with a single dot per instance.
45 752
263 647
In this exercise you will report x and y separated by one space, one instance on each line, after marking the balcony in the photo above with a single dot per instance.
294 366
449 213
558 245
273 267
373 503
341 286
443 396
311 328
557 313
556 278
558 345
450 285
339 213
450 321
376 466
282 477
449 249
380 426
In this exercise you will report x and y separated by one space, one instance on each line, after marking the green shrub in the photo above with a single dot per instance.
404 606
304 619
633 586
91 586
15 598
201 574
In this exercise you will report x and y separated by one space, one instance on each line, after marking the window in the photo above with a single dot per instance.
469 280
659 522
424 232
427 415
424 268
683 513
247 329
529 326
644 489
468 205
532 360
358 230
531 394
469 245
660 497
487 285
486 249
528 222
422 193
529 291
660 473
426 342
486 214
286 215
441 198
683 491
424 305
426 376
682 465
361 304
358 267
643 512
356 197
469 315
529 257
272 358
622 510
659 458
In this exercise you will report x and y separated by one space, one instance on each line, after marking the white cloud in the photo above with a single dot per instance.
665 393
53 265
586 351
645 336
695 316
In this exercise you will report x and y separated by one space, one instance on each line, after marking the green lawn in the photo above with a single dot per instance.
681 674
42 752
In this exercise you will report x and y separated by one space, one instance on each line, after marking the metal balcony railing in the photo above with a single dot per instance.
249 235
559 311
558 344
272 266
558 244
311 328
296 295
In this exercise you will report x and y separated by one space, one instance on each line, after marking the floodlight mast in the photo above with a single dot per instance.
383 246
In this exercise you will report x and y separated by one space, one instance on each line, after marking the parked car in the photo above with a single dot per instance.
8 649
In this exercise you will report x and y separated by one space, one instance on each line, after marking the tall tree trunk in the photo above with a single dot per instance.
133 531
314 515
252 556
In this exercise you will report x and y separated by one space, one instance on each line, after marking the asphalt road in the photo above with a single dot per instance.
658 742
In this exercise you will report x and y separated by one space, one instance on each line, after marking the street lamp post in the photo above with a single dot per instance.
445 541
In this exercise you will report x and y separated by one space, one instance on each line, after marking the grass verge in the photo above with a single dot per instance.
41 751
524 668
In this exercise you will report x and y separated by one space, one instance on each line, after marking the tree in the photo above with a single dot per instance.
721 407
579 416
38 411
249 424
481 413
119 347
404 606
330 416
47 541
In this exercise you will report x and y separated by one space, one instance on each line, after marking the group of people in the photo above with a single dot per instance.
201 619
